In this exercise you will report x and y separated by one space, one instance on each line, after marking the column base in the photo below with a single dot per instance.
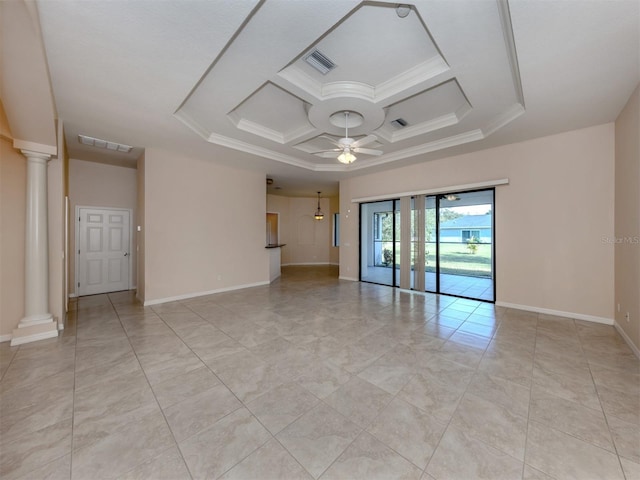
33 333
37 319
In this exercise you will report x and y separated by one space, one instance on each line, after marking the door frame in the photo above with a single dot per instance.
76 255
436 196
493 243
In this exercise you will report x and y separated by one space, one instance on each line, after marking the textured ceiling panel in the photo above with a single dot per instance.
272 113
386 67
150 74
368 42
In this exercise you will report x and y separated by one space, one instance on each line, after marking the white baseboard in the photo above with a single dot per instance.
624 335
75 295
5 338
305 264
351 279
558 313
202 294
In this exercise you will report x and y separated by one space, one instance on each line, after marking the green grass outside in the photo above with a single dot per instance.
457 259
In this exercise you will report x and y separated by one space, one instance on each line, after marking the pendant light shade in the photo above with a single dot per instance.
318 215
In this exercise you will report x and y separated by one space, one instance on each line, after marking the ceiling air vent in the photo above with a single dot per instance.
96 142
399 123
320 62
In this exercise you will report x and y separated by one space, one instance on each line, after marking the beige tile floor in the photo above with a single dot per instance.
312 377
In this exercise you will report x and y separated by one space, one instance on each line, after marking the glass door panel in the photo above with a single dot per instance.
396 242
465 244
377 242
413 242
458 243
430 274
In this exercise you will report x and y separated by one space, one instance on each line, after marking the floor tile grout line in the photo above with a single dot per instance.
73 402
530 420
177 446
526 437
475 372
604 414
70 452
466 389
448 423
394 397
9 364
245 406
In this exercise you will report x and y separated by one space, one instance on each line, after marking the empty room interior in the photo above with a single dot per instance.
320 239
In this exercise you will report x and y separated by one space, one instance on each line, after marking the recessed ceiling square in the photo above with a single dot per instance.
272 113
373 45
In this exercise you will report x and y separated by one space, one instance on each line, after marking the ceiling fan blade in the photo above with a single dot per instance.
364 141
328 153
331 139
368 151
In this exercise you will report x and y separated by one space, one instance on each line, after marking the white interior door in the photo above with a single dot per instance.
103 250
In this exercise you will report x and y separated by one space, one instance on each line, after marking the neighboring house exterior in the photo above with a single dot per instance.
463 228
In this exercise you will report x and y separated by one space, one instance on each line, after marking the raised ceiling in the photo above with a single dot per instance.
388 66
228 81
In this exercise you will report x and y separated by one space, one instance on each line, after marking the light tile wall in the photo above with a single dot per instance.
140 235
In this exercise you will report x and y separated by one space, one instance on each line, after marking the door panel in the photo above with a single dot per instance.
448 241
103 250
465 245
378 251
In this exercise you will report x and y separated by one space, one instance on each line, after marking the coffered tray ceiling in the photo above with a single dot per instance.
261 95
228 81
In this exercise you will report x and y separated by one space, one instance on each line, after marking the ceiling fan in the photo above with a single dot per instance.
346 147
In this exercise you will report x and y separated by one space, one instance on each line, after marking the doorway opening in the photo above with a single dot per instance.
103 250
448 241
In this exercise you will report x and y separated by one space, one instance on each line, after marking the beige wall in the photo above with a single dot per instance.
627 219
13 180
550 219
308 241
139 235
55 193
98 185
205 227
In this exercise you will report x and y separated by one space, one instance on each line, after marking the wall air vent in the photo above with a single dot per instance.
399 123
96 142
320 62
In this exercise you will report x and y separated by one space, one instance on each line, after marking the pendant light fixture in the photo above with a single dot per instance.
319 215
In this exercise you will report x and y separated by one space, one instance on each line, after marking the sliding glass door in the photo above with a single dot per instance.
448 239
465 244
430 245
379 242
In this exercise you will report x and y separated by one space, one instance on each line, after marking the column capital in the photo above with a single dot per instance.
31 155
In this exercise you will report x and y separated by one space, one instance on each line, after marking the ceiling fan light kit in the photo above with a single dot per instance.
347 146
346 157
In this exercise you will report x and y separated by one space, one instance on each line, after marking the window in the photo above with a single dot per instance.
468 234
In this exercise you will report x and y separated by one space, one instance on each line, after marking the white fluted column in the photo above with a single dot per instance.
37 323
